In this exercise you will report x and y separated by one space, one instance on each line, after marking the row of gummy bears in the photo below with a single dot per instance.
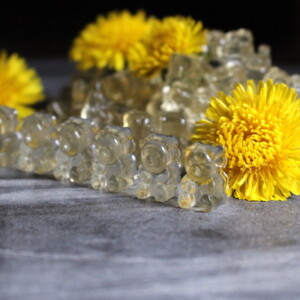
76 151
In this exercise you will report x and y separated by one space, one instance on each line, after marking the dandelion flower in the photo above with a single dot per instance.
164 38
258 125
106 42
20 86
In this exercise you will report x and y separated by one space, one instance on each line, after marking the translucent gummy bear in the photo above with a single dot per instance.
76 150
80 85
202 188
37 129
172 123
159 173
224 78
259 63
98 108
196 111
141 125
238 44
188 69
177 96
114 164
10 140
175 124
185 74
215 40
39 144
127 89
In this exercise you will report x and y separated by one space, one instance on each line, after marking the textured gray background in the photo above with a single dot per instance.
60 242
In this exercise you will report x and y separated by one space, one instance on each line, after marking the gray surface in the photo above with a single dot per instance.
60 242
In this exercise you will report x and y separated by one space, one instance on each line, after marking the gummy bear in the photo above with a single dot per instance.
75 153
39 144
114 164
202 188
159 173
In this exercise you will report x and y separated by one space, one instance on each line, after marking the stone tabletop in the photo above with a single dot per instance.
71 242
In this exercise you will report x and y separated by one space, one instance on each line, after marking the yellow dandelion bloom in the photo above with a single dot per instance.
20 86
259 128
106 42
171 35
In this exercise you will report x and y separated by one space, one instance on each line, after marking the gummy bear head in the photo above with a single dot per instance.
75 135
203 161
37 129
158 151
112 143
